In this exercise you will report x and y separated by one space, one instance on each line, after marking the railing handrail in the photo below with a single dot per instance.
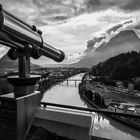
45 104
68 79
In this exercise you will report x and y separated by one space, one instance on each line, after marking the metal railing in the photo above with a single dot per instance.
105 112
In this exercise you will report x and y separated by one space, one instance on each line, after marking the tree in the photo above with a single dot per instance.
120 72
137 85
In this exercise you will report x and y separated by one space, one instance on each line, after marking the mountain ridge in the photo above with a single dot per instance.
124 41
7 64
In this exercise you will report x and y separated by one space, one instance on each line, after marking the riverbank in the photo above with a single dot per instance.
128 121
97 99
110 92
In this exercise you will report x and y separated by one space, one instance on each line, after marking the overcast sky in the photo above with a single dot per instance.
68 24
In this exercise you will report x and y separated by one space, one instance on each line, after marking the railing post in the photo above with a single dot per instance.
75 83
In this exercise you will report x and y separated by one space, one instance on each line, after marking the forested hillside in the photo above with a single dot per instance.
121 67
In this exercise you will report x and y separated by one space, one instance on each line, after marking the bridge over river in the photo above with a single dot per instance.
66 93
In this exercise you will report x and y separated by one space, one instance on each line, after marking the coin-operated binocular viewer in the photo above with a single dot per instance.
25 41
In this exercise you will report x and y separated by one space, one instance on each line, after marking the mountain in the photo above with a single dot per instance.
124 41
6 63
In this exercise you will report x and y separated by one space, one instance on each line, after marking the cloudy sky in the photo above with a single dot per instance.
69 24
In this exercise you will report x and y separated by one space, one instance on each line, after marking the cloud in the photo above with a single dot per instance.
38 12
132 5
116 27
56 10
46 12
3 50
106 35
95 5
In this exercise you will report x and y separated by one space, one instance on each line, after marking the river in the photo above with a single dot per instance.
102 126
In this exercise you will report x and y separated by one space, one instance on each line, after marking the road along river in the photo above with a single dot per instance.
102 126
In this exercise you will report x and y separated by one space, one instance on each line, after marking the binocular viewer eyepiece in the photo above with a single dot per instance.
18 35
